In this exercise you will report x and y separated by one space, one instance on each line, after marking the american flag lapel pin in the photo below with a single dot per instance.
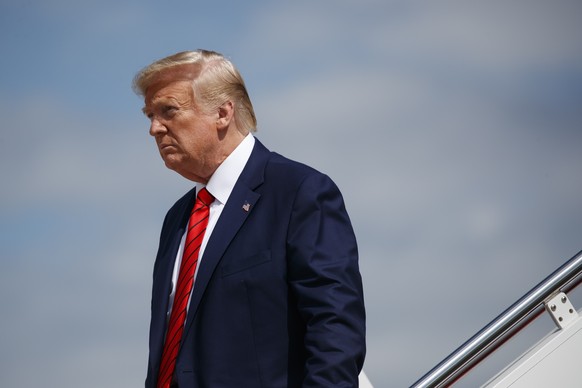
246 207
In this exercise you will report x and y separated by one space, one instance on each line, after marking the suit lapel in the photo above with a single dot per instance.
164 268
239 206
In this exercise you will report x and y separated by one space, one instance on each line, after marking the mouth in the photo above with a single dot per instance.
166 147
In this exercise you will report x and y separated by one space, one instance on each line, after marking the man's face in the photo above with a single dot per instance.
186 137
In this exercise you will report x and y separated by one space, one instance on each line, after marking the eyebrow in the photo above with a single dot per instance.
161 101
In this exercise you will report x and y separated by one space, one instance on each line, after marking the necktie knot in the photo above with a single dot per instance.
205 197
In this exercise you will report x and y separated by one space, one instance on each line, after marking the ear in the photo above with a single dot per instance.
225 115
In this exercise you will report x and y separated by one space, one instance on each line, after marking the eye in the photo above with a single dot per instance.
169 110
147 113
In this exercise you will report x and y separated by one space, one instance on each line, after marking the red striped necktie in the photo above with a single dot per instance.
196 228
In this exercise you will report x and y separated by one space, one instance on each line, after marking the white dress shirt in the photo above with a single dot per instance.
220 186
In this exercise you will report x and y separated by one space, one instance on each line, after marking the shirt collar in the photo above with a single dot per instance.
224 178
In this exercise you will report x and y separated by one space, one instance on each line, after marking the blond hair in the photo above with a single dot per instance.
215 80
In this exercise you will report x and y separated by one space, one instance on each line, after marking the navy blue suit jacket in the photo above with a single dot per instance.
278 298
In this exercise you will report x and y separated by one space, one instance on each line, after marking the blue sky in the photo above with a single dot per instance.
453 129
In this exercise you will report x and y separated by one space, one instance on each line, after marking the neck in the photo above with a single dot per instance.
228 143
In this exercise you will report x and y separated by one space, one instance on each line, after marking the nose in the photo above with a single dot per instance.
156 127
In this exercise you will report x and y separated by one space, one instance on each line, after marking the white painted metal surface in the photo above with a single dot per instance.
364 382
561 310
554 361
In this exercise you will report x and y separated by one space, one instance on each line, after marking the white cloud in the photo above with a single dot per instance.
485 35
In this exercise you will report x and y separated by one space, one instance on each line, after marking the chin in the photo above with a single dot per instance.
171 164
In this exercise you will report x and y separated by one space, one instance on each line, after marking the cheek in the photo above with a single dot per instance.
193 141
195 136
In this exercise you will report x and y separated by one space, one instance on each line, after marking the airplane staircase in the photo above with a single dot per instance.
553 362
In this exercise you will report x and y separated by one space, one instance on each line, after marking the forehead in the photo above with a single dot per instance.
176 90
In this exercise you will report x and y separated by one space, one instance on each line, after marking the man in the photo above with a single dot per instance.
256 280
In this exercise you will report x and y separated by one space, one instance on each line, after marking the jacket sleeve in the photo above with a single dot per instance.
324 278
